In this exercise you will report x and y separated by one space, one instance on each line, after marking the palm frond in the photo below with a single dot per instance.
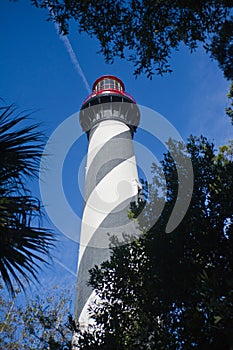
24 244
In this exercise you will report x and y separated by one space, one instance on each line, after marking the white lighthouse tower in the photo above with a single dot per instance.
110 118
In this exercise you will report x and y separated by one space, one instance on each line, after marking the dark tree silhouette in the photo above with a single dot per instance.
147 32
173 291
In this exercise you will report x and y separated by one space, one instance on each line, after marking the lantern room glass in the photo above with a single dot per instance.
108 84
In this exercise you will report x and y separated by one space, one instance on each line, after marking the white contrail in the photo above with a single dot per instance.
65 267
73 57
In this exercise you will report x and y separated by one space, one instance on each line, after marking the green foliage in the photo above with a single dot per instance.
41 324
173 291
229 110
23 242
147 32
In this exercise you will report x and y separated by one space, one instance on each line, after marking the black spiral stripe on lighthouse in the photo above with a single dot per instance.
110 157
95 256
111 154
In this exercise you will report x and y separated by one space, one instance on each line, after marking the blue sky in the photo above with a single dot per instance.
37 74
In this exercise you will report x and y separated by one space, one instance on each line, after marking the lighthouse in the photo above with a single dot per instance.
109 117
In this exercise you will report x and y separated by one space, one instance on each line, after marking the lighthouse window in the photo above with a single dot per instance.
108 84
100 86
111 84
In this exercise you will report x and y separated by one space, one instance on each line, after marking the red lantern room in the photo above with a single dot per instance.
109 100
108 83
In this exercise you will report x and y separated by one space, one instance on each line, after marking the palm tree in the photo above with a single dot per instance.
24 244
